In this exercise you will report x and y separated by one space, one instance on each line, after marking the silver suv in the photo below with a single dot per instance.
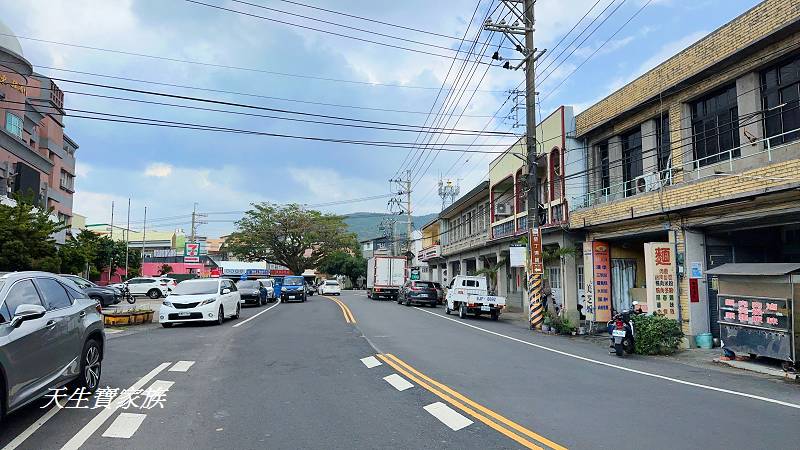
51 334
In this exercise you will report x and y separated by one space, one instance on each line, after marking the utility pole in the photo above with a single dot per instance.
194 222
401 207
111 253
410 224
536 316
127 238
524 26
144 233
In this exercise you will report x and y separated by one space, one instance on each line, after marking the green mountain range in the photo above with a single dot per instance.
365 224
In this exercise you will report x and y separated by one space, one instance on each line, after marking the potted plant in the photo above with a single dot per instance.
548 321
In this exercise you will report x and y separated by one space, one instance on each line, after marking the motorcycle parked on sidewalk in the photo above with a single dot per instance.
622 331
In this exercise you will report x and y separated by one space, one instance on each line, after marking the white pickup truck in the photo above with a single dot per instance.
470 295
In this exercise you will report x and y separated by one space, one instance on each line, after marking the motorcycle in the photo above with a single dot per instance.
622 331
126 294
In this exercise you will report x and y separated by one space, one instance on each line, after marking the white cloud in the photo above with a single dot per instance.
82 169
158 170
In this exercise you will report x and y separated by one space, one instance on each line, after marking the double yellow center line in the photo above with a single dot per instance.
348 315
507 427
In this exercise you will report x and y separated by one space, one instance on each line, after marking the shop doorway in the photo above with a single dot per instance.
623 279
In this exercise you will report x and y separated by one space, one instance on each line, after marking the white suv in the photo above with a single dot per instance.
151 287
330 287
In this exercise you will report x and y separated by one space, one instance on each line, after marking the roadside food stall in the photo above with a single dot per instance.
757 302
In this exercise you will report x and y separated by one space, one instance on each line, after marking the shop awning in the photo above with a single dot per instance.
765 269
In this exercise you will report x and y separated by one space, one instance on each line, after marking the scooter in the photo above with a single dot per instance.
622 331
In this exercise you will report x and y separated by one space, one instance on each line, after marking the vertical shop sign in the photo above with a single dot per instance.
601 271
662 278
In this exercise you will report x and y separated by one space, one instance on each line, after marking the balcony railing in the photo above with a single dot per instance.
654 181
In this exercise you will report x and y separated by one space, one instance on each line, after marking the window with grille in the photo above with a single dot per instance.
715 127
632 159
14 124
780 96
663 149
601 150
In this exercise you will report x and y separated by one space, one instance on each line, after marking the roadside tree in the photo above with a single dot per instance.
164 269
290 235
26 238
344 263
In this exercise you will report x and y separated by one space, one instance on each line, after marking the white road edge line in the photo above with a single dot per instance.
181 366
447 416
626 369
88 430
256 315
125 425
32 429
371 361
398 382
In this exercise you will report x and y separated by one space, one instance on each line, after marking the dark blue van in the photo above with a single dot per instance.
293 288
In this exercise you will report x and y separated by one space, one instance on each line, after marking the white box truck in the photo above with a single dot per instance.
385 276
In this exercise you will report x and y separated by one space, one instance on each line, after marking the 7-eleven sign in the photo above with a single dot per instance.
191 252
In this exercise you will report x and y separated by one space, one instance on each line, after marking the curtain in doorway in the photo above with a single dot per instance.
623 278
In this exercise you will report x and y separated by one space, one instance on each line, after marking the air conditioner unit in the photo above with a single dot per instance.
646 183
502 209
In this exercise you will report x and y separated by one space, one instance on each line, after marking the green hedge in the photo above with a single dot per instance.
656 335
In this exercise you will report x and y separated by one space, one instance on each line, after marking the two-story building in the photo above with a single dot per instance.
692 165
559 158
37 159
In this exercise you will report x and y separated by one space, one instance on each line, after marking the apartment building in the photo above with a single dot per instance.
692 165
37 159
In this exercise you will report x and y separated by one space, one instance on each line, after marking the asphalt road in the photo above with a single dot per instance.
293 377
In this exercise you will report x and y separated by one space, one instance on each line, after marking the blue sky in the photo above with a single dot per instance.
168 170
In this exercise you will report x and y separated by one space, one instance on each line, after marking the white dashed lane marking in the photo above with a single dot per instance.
181 366
161 385
371 361
125 425
448 416
399 383
88 430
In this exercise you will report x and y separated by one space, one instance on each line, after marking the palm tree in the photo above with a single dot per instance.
491 273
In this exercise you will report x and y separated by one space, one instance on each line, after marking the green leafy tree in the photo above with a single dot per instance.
113 252
290 235
164 269
26 238
344 263
491 271
79 252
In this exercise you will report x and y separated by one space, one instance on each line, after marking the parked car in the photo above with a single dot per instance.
293 288
268 289
330 287
171 282
418 292
106 295
51 334
201 299
439 291
250 292
149 286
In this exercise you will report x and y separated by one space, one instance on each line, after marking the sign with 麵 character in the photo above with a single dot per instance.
601 273
661 276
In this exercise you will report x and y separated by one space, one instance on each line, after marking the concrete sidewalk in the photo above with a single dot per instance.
694 357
